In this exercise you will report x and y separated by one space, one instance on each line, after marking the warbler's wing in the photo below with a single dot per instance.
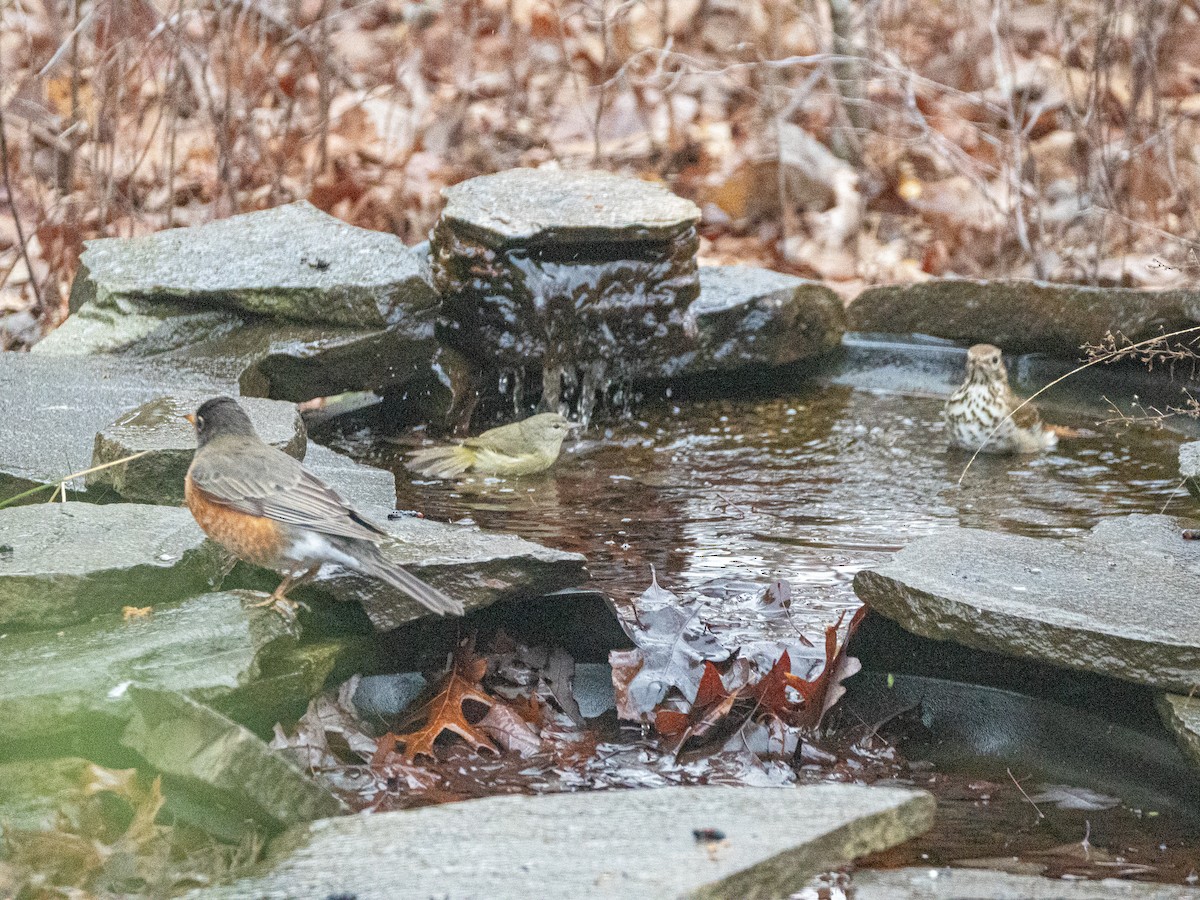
509 440
264 481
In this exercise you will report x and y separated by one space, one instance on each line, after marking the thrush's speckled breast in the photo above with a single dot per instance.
983 413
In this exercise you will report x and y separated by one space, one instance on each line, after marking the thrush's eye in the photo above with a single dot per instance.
199 421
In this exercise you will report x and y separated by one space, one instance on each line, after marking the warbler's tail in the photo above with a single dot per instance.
441 462
372 562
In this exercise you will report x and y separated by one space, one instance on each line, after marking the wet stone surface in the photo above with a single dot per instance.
1181 714
544 206
597 269
216 759
472 565
752 317
1082 604
291 262
1189 467
1023 316
67 562
212 647
52 408
262 357
612 844
159 427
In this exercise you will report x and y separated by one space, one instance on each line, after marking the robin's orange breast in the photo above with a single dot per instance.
256 539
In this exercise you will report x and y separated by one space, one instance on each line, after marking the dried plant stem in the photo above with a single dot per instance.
67 478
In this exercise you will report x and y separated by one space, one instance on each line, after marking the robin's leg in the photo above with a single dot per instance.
279 601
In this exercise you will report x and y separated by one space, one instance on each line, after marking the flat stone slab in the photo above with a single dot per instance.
52 407
67 562
213 647
292 262
159 429
1118 601
1181 714
1022 316
544 206
608 844
978 884
264 357
752 317
476 566
222 762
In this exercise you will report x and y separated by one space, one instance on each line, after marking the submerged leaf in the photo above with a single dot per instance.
673 646
444 712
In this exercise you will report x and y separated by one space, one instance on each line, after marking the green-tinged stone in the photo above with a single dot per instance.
261 357
220 762
51 408
214 647
1182 716
32 791
68 562
1189 466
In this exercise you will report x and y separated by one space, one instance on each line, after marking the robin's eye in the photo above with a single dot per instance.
199 421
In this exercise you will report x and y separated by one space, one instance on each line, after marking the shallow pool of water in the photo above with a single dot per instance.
809 487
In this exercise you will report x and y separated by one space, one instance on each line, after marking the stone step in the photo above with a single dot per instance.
610 844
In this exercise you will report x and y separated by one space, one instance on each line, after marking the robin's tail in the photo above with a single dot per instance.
441 462
372 562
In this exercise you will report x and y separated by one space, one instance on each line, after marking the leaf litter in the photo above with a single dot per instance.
703 697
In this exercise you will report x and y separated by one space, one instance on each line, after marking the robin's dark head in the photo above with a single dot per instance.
220 416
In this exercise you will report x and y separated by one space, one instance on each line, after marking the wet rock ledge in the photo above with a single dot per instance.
1023 316
289 303
1109 602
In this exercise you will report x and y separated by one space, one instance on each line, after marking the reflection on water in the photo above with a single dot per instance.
724 496
810 488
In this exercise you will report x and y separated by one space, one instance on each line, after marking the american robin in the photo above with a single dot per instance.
266 508
983 413
522 448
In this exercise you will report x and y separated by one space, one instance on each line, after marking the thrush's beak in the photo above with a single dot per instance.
191 417
574 426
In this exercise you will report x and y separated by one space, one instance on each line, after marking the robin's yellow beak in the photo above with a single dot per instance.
191 417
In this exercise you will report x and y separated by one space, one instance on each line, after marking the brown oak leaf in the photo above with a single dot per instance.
444 712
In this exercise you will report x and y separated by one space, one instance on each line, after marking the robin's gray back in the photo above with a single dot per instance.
255 478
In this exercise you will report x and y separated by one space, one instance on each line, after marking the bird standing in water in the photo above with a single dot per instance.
266 508
983 414
522 448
